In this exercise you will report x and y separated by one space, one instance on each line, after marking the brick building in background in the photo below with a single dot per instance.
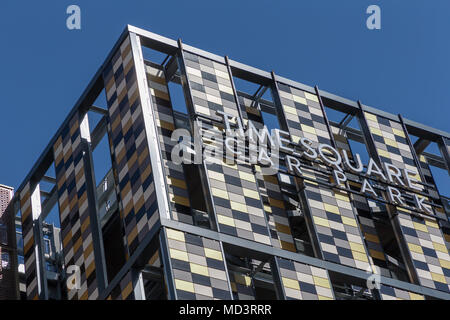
8 252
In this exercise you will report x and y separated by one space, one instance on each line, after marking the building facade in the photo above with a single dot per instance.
135 223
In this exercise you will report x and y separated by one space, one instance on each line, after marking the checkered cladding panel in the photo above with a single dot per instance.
269 187
331 211
198 267
129 147
124 290
391 293
76 230
175 178
29 244
210 85
425 242
300 281
234 189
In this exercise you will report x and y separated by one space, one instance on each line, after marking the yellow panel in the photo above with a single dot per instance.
324 298
312 97
220 193
176 182
288 245
357 247
331 208
225 220
216 175
178 254
180 200
276 203
390 142
376 131
371 237
360 256
348 221
174 234
370 116
196 268
383 153
403 210
299 99
321 222
322 282
290 283
420 227
290 110
341 196
213 254
440 247
308 129
444 263
166 125
271 179
417 177
184 285
399 133
247 176
438 277
242 279
251 193
447 237
415 296
377 254
238 206
282 228
415 248
431 223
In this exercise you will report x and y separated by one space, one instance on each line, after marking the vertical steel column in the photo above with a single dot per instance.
91 191
444 147
33 246
138 284
278 104
39 243
185 82
279 288
150 128
330 131
370 143
413 151
166 265
227 63
197 135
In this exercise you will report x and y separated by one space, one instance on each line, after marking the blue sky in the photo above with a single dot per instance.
402 68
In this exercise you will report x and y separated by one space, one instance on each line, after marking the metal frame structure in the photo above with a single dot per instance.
128 281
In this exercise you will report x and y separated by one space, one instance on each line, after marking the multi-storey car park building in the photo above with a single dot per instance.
136 225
